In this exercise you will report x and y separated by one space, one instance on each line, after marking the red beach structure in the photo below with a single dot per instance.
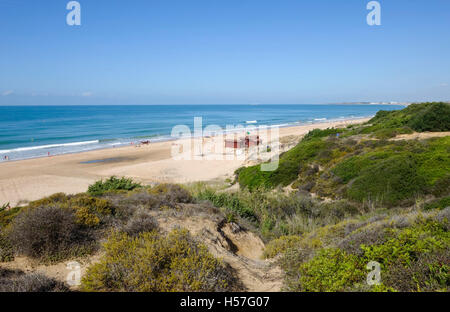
248 141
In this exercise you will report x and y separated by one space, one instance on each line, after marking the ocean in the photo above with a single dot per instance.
38 131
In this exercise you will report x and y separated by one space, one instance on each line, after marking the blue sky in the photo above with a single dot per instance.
223 52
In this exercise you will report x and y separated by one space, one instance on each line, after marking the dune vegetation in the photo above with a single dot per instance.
173 262
339 199
356 165
398 189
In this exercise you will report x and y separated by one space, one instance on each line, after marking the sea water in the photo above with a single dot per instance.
37 131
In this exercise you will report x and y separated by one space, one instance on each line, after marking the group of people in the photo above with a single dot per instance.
139 144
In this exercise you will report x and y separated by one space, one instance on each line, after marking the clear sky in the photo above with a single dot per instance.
223 52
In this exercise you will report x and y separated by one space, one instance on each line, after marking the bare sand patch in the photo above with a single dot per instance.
420 136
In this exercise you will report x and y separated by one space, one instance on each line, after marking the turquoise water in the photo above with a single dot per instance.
36 131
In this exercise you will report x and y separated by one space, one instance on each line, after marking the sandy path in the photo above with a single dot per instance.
256 274
32 179
420 136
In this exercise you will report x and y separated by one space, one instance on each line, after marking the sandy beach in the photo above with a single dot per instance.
27 180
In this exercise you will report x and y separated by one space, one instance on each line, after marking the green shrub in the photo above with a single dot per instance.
6 216
322 147
440 204
406 245
412 249
155 263
442 186
289 165
280 245
6 249
278 214
112 184
5 207
49 234
351 167
419 117
389 181
388 133
393 172
331 270
318 133
435 117
231 201
89 211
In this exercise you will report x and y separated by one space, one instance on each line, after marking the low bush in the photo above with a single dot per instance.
352 243
6 249
152 262
280 245
5 207
137 199
440 204
49 233
434 117
230 201
112 184
140 222
441 187
395 173
90 211
331 270
172 193
383 134
420 117
154 198
289 165
412 249
389 181
318 133
6 216
443 217
431 272
406 245
52 200
14 281
275 213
